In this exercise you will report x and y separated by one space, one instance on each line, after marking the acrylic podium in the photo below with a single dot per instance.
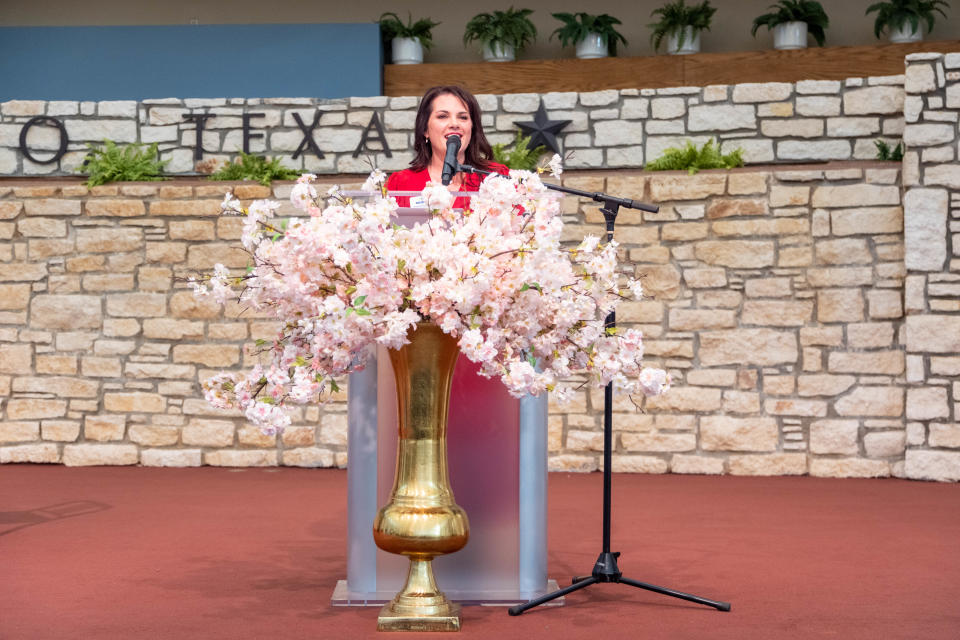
497 455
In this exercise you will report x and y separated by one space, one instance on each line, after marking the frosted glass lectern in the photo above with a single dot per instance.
497 455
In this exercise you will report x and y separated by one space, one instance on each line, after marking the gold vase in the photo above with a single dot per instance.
422 520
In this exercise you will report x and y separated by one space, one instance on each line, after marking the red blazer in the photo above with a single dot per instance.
409 180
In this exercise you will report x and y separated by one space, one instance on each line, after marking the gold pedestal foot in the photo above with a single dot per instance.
390 620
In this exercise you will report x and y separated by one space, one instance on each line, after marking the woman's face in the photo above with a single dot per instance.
448 115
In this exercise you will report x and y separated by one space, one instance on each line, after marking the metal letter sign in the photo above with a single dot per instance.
200 119
307 135
247 136
374 123
44 120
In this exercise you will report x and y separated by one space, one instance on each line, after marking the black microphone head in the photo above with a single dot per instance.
450 164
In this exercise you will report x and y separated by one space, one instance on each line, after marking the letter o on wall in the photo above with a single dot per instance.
48 121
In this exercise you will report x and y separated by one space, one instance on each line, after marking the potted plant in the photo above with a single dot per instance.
594 36
502 34
790 22
901 18
681 26
407 41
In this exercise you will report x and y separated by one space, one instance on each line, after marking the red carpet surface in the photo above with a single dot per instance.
210 553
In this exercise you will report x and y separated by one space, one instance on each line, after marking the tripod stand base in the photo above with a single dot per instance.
606 570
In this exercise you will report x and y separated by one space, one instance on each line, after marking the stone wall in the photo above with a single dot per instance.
776 303
932 260
772 122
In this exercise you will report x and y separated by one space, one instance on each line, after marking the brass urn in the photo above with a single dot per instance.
422 520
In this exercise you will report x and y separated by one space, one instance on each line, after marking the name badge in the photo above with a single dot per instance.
418 202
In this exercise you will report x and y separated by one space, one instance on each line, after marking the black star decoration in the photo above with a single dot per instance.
542 131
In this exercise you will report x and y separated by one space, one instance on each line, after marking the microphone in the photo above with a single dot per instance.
450 163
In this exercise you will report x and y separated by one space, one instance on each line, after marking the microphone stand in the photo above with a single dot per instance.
605 569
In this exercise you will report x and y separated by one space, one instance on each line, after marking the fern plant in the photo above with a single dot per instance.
895 14
693 159
884 152
512 27
129 163
392 27
520 156
674 16
576 27
809 11
252 167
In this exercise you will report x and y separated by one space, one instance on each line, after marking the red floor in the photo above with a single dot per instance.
208 553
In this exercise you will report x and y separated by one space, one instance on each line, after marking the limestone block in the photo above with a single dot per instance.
885 303
870 100
945 366
762 91
210 355
813 150
124 208
767 287
660 442
851 127
206 208
103 428
22 272
928 134
53 311
699 464
136 305
839 305
667 108
840 277
723 433
933 333
686 187
821 336
755 151
184 304
871 401
765 347
945 435
587 99
824 384
947 175
625 157
42 228
855 195
140 370
818 106
700 319
927 403
154 435
776 464
777 313
683 231
16 358
885 444
60 430
640 311
702 279
866 220
617 132
166 252
21 431
308 457
208 433
99 130
82 455
721 117
792 128
870 335
932 465
35 453
574 463
727 207
870 362
848 468
775 110
740 401
637 464
919 78
743 254
746 183
669 348
35 408
134 402
794 407
660 281
171 457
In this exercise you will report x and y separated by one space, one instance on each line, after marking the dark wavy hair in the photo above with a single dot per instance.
477 154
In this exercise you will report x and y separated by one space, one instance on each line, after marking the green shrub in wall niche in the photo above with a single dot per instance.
520 156
884 152
691 159
129 163
252 167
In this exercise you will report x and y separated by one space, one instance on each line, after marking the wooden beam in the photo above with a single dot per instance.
654 72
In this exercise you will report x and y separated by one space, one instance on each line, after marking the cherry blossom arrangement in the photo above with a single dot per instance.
495 276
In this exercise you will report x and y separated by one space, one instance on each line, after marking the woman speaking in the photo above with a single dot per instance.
443 112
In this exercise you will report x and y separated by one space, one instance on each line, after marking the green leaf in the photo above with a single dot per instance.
252 167
333 386
130 163
300 361
531 285
260 342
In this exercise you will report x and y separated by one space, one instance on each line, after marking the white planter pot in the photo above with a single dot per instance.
593 46
906 33
691 42
499 53
790 35
406 51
